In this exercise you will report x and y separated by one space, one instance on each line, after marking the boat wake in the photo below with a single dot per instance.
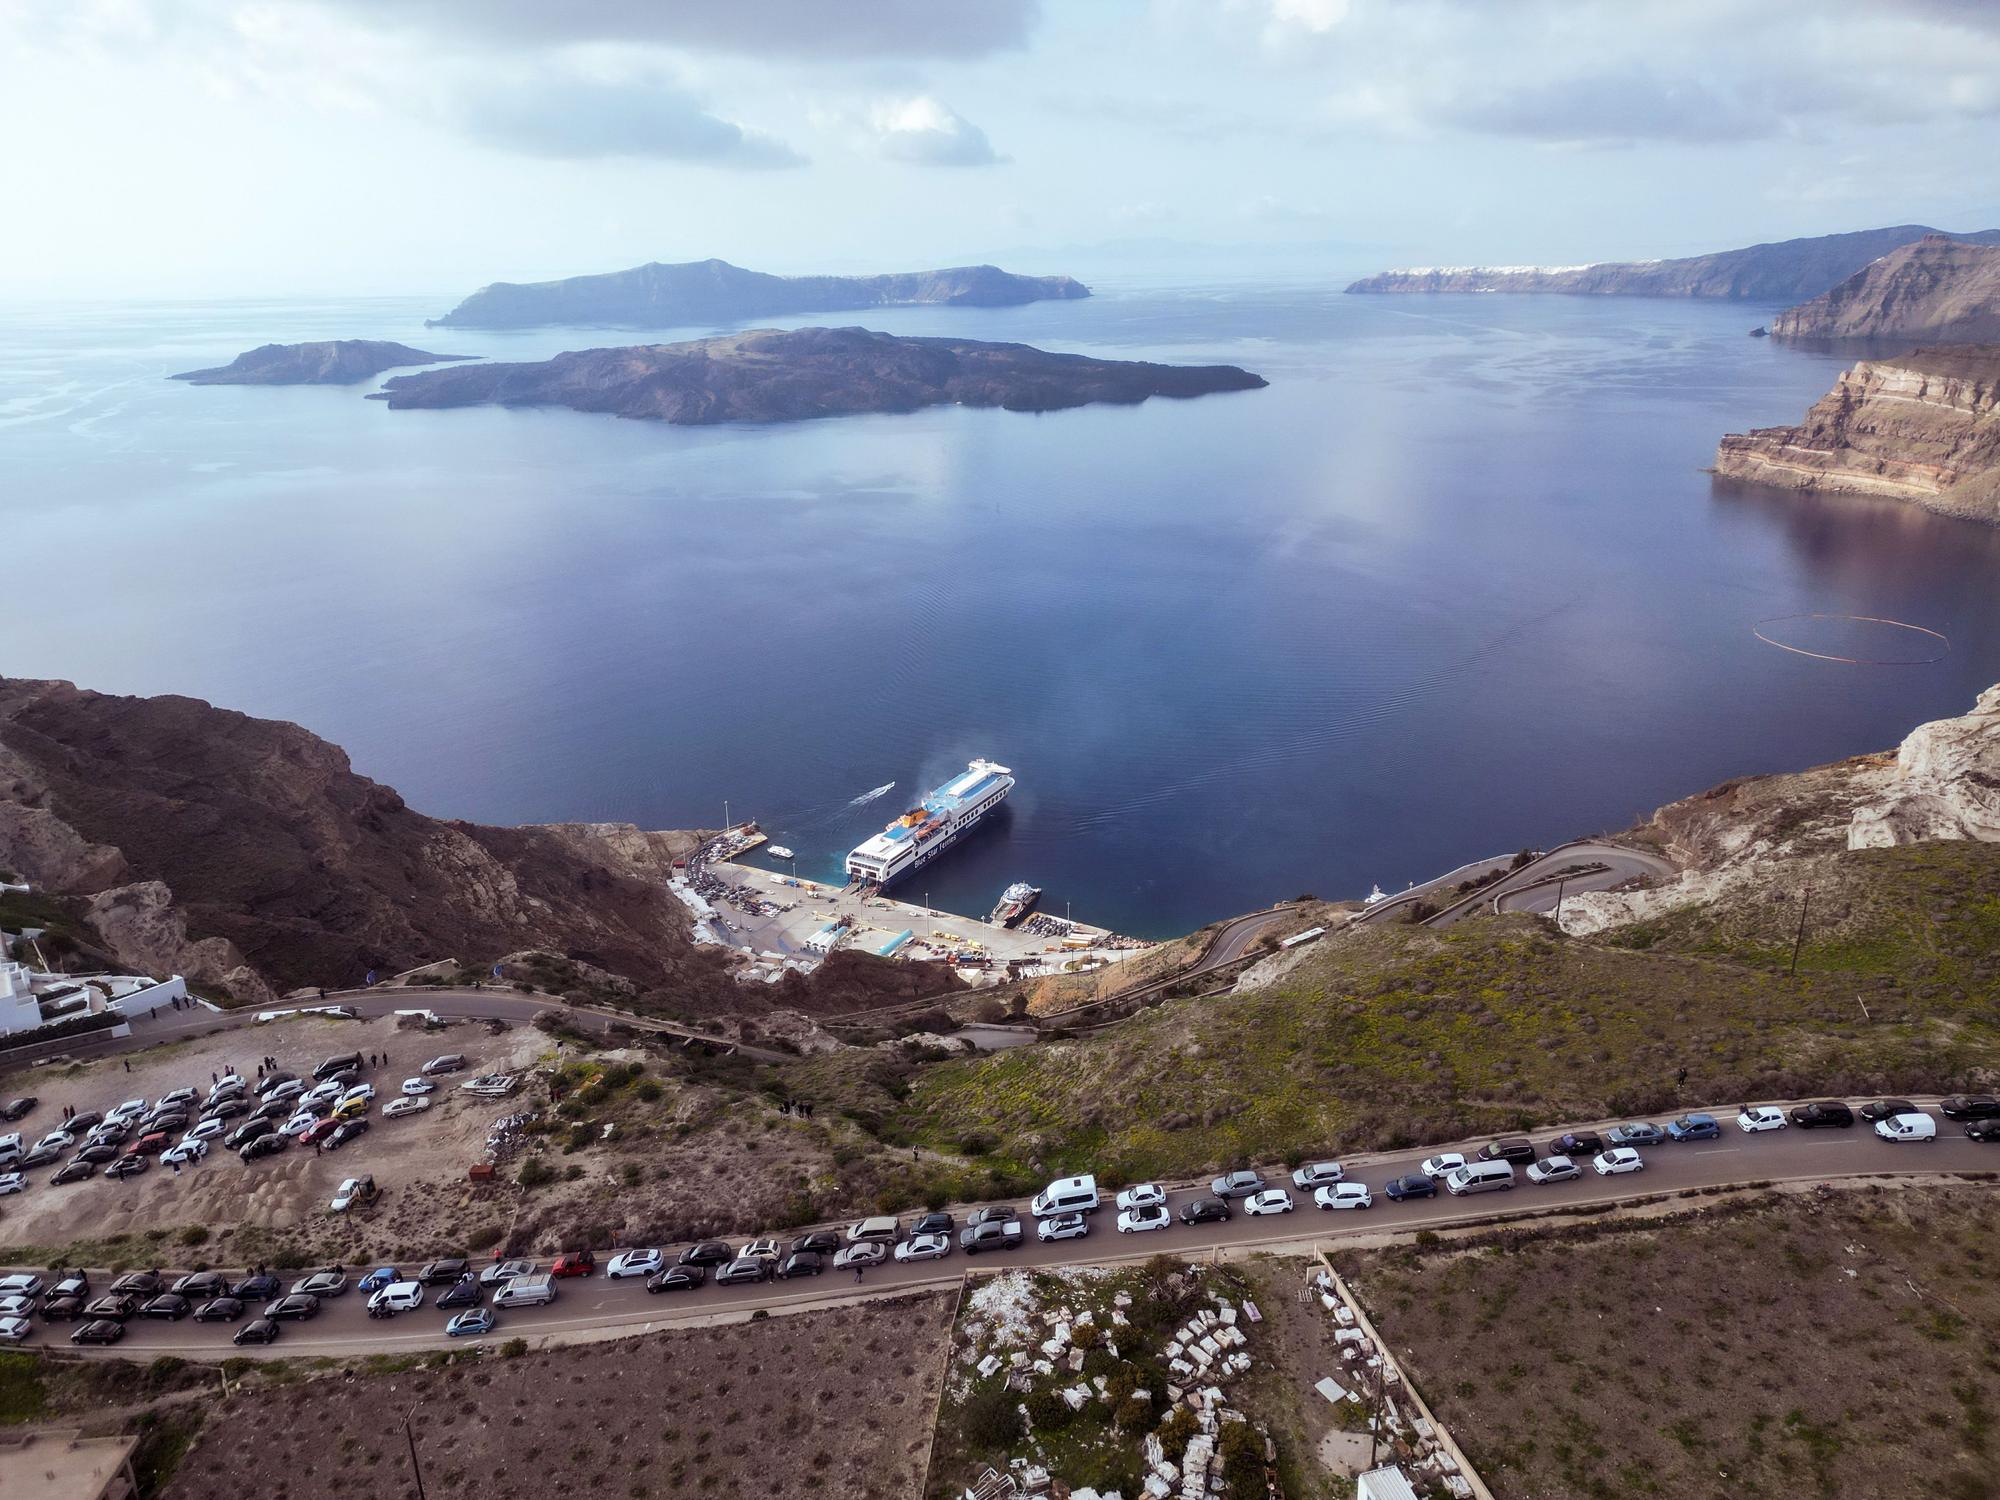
867 797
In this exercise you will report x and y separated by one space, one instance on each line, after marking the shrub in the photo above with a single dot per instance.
649 1090
514 1348
990 1419
1178 1431
535 1172
195 1234
1048 1411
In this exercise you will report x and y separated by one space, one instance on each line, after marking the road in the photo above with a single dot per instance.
593 1307
1536 885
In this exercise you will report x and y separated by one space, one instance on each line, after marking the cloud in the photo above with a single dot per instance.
924 132
811 29
566 115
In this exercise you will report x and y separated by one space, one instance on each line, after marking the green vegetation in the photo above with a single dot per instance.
22 1394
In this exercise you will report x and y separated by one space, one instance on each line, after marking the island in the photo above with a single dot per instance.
1785 271
328 362
714 291
1923 427
767 375
1937 288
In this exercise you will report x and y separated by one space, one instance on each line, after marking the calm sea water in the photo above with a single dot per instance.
1454 583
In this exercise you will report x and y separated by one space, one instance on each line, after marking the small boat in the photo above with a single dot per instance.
779 851
1015 903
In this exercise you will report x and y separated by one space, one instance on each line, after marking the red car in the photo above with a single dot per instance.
318 1131
574 1263
154 1144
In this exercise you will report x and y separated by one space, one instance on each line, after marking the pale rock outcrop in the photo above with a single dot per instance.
144 930
1946 786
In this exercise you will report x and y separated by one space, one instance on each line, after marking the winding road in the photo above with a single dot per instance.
1566 870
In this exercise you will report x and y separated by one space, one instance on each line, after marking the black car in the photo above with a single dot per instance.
219 1310
15 1109
270 1081
172 1120
1577 1143
98 1331
1205 1211
229 1109
244 1134
1970 1107
802 1263
344 1132
42 1155
259 1331
99 1153
84 1121
116 1306
76 1171
934 1223
1881 1109
140 1283
444 1272
463 1292
819 1241
272 1109
679 1278
264 1145
167 1305
1415 1185
64 1308
71 1284
256 1287
1982 1130
198 1286
707 1253
744 1268
1829 1112
292 1308
1517 1149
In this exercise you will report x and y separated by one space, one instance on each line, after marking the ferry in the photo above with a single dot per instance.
779 851
932 826
1015 903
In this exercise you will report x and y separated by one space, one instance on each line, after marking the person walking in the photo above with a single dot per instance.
857 1272
128 1064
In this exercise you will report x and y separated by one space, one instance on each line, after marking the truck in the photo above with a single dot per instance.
994 1234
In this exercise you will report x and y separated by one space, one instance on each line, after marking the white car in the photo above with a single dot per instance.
59 1138
1554 1169
1142 1195
299 1123
21 1284
359 1091
318 1094
1442 1166
1760 1117
506 1270
15 1330
205 1130
12 1182
397 1296
633 1263
765 1248
1063 1227
924 1247
17 1307
1141 1220
1618 1159
131 1109
1316 1174
172 1097
1911 1127
1270 1201
184 1153
349 1193
1343 1195
414 1086
866 1253
399 1107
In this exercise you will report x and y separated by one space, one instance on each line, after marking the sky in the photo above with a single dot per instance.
216 148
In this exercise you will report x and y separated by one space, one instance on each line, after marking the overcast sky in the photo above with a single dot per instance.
259 147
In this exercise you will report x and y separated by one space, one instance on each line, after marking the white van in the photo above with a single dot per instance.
1066 1195
1907 1128
1479 1177
526 1291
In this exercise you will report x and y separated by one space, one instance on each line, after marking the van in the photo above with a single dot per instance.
1514 1148
1066 1195
526 1291
883 1230
1479 1177
1910 1127
340 1064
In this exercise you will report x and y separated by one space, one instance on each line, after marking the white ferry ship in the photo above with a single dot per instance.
932 826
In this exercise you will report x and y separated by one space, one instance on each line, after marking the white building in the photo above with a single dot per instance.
1386 1483
37 997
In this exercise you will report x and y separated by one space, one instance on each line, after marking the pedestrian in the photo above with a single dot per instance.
128 1064
1681 1081
857 1273
315 1148
177 1169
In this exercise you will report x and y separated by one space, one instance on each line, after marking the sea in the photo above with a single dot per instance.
1455 584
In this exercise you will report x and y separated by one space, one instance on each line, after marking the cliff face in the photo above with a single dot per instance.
333 362
714 291
1938 288
768 376
1924 427
1783 271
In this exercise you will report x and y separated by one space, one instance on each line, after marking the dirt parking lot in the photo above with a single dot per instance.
236 1211
809 1405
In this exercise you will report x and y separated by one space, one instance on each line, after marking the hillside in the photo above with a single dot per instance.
770 376
1922 426
1785 271
331 362
1939 288
714 291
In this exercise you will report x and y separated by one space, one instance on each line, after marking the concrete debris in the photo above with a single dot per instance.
988 1365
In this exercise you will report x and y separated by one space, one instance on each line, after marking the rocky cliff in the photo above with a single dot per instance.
1938 288
332 362
769 376
714 291
1784 271
1924 426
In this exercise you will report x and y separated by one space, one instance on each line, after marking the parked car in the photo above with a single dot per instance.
17 1307
1269 1201
1982 1130
992 1213
140 1283
464 1292
219 1310
128 1166
935 1222
749 1268
184 1153
926 1246
447 1269
270 1083
526 1291
881 1229
114 1305
1913 1126
633 1263
297 1125
98 1331
1575 1143
363 1091
1515 1149
347 1131
167 1306
259 1286
257 1331
707 1253
99 1152
292 1308
1239 1184
999 1234
316 1133
1442 1165
1144 1220
1696 1127
200 1285
265 1145
1617 1160
862 1253
1638 1133
351 1191
1970 1107
1141 1195
1882 1109
1204 1211
766 1246
15 1330
416 1086
1062 1227
825 1241
328 1282
397 1297
1344 1195
506 1270
450 1062
801 1263
1554 1169
62 1309
1412 1185
1756 1118
378 1278
16 1109
471 1323
12 1182
677 1278
229 1109
285 1091
41 1156
75 1171
204 1130
1830 1112
573 1263
395 1109
1316 1174
62 1139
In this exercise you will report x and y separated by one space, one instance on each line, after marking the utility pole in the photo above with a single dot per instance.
415 1468
1799 937
1560 885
